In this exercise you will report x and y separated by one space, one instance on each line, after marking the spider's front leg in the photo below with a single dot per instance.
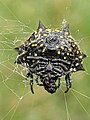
68 82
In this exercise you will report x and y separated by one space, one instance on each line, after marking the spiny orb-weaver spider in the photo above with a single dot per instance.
50 54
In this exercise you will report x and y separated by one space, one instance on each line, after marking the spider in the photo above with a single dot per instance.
50 54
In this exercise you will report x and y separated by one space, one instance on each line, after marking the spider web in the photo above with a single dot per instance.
16 100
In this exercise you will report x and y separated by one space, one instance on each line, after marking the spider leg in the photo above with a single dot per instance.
29 74
68 82
58 83
31 83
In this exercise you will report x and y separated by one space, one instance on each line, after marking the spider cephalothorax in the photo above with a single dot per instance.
50 54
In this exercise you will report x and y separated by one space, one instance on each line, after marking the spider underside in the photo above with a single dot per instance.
50 54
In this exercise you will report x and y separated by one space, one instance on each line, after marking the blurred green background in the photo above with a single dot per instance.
17 20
